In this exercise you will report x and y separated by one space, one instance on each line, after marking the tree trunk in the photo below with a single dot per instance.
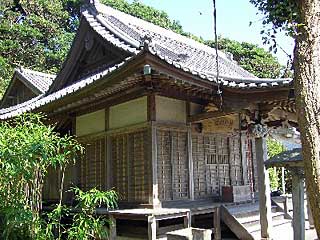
307 91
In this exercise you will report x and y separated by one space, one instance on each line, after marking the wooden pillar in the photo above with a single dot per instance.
298 204
264 189
285 208
152 228
108 152
283 182
113 228
216 222
244 160
155 190
187 220
190 165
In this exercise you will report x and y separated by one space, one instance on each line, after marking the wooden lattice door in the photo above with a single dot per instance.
94 165
217 163
173 172
131 166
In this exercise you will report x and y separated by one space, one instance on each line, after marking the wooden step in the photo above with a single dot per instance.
250 221
247 211
244 219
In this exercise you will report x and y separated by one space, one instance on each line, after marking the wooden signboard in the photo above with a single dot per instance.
225 124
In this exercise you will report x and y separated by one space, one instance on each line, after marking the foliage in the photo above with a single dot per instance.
278 16
281 14
274 148
86 225
35 34
251 57
27 148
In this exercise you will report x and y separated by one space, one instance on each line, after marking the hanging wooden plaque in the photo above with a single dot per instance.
225 124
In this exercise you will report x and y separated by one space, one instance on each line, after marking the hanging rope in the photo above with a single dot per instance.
219 92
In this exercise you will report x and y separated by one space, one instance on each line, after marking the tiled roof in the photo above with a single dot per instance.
133 34
176 49
39 80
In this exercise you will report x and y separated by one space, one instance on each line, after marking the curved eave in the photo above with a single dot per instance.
64 95
230 83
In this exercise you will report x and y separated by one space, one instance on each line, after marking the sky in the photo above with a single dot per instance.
233 17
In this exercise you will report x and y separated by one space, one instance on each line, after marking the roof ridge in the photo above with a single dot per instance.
104 9
103 12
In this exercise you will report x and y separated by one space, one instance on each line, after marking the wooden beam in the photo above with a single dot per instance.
151 107
188 109
207 115
117 98
257 96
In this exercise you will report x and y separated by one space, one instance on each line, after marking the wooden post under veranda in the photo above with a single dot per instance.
298 203
264 189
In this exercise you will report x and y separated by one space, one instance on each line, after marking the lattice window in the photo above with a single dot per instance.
217 151
93 165
139 182
131 166
164 165
180 175
199 167
120 165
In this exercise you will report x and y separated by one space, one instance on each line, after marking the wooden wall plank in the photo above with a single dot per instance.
190 164
154 155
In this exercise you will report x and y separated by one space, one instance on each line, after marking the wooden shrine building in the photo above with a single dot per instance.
157 124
